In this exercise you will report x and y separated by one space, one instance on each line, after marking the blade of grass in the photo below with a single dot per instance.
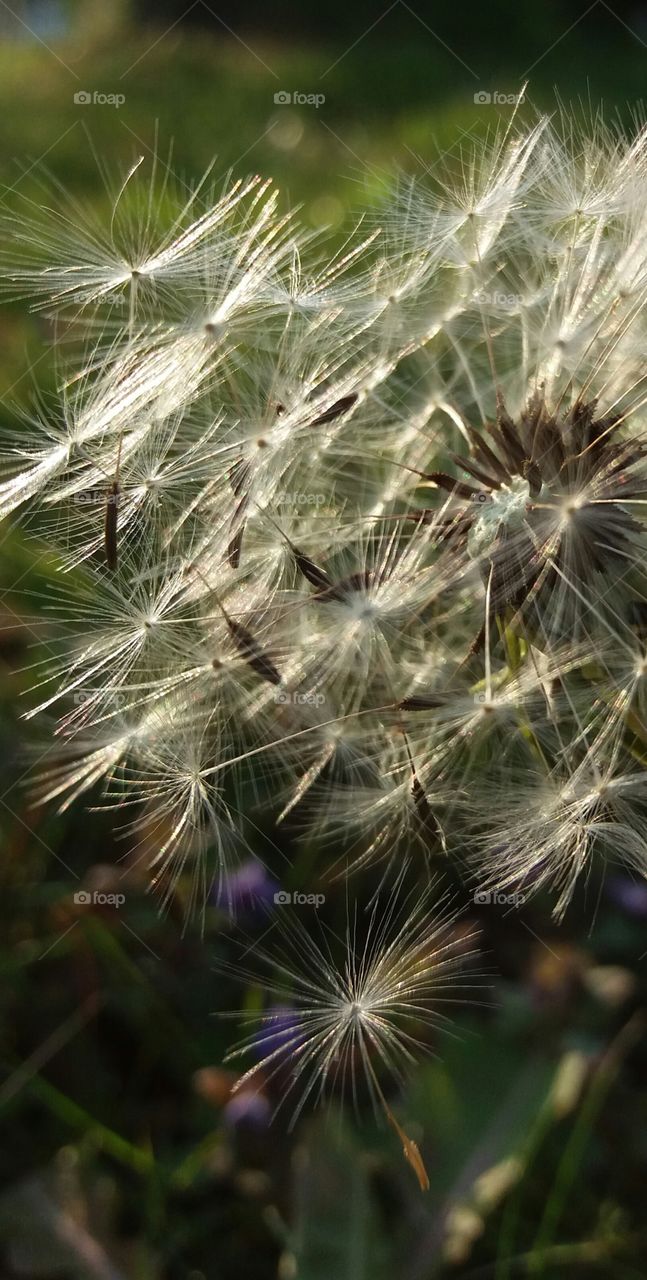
62 1034
582 1253
570 1162
139 1159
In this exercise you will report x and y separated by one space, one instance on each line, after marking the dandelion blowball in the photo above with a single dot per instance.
357 543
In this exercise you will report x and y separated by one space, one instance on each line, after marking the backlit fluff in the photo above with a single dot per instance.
357 543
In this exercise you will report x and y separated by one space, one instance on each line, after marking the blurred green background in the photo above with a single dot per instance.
121 1155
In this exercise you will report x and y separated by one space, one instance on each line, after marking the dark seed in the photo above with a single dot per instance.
318 577
533 475
422 702
252 652
238 475
477 473
425 811
451 485
235 544
487 456
335 410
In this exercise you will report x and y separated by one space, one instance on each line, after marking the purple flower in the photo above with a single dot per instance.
279 1030
629 894
248 1108
248 889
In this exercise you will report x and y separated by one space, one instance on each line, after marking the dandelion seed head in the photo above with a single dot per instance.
375 554
361 1013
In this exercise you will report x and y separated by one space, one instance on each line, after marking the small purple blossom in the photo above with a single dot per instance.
279 1030
629 894
249 889
248 1108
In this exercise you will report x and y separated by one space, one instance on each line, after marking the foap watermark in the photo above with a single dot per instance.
94 898
96 497
285 98
497 99
481 497
301 499
115 497
298 698
483 897
285 899
498 298
85 98
116 701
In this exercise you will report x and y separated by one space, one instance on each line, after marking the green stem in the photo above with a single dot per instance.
138 1159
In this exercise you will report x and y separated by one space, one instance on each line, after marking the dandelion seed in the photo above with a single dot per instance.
250 649
364 1015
